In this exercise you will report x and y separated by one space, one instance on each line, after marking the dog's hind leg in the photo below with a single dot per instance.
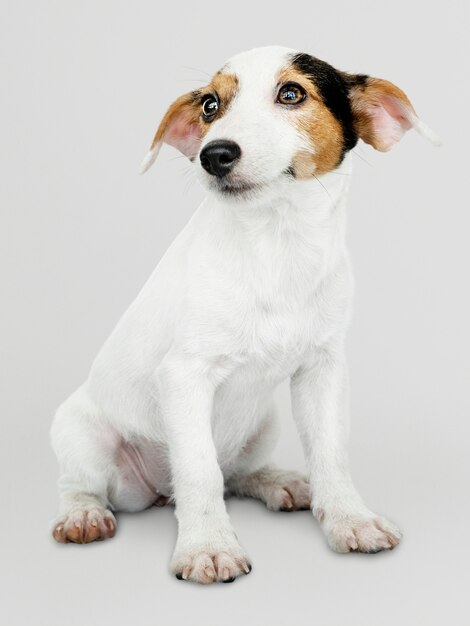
253 477
97 473
101 472
85 451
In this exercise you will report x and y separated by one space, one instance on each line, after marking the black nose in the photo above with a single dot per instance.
219 157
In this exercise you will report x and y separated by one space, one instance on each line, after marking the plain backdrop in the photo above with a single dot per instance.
83 86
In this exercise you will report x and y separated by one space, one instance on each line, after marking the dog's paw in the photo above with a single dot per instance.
289 492
280 490
362 534
84 525
206 565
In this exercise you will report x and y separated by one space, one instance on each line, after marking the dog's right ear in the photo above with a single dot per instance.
179 128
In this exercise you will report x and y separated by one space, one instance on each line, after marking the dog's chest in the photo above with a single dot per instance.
263 296
266 300
288 312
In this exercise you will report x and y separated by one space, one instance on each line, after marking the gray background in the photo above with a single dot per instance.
83 86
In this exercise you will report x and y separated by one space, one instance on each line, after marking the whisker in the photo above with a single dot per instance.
362 158
326 190
190 179
360 147
193 80
186 170
196 69
178 156
188 183
311 150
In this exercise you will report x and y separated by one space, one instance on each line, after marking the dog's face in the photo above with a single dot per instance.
273 115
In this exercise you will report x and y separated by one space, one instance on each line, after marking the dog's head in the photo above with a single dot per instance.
273 114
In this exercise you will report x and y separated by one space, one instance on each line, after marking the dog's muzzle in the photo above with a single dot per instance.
219 157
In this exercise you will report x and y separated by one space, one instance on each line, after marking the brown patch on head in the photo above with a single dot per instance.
226 87
327 142
187 109
339 109
183 125
322 131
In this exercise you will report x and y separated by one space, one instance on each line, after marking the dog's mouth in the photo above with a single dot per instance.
236 188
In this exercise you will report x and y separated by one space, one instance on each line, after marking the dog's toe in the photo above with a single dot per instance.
207 566
84 526
363 534
289 493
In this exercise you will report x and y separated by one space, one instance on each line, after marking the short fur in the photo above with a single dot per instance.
255 290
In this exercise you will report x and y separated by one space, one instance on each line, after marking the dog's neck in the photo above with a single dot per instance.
291 205
289 241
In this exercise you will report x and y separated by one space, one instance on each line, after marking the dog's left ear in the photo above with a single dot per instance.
179 128
382 112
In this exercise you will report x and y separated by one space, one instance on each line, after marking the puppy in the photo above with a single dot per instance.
255 290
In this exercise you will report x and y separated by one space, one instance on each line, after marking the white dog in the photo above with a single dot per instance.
256 289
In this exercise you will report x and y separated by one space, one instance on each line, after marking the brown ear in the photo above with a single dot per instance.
179 128
383 113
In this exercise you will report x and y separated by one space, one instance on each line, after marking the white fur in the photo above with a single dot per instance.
423 129
150 158
179 400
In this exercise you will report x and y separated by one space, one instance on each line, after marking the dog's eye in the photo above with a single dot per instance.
291 93
210 106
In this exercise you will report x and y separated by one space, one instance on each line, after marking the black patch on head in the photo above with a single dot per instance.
196 95
290 171
333 87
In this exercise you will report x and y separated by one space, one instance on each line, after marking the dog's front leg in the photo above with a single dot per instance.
319 402
207 548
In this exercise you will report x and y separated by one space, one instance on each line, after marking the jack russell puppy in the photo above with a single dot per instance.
255 290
